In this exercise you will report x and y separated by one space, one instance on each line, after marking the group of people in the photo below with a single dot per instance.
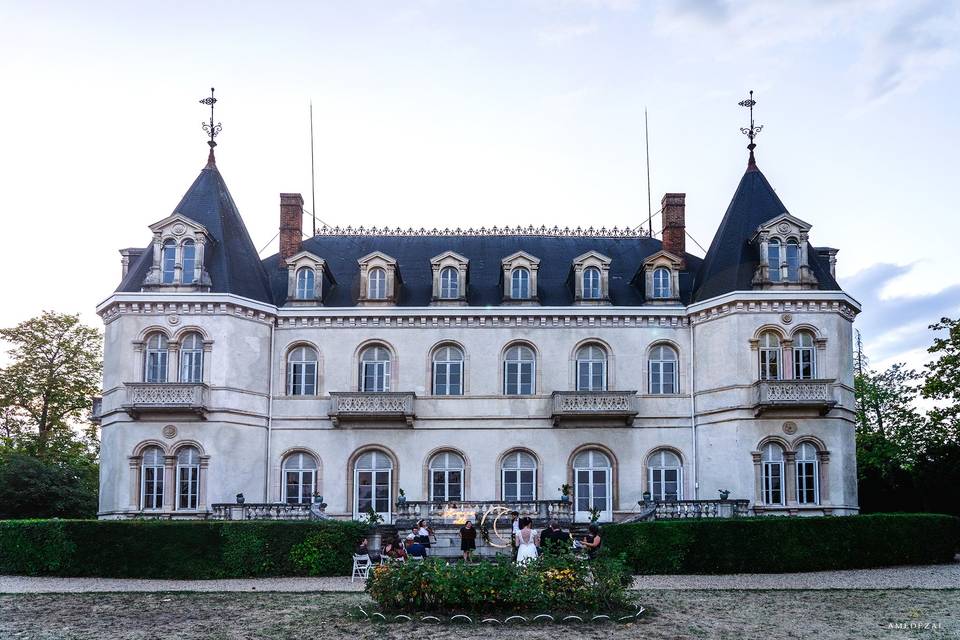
528 543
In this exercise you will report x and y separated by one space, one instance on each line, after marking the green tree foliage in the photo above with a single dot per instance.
31 487
942 384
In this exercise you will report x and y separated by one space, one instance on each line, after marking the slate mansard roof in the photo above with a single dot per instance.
234 267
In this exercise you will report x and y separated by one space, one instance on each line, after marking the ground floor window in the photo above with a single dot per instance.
373 473
188 478
519 477
151 479
665 476
772 473
299 478
446 477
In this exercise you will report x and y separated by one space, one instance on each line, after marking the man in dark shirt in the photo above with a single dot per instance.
414 548
554 538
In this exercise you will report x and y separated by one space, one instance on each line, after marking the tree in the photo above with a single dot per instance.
943 383
34 488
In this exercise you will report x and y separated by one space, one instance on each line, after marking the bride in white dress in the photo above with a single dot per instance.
527 541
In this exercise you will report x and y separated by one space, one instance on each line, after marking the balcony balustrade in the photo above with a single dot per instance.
260 511
459 511
682 509
367 407
165 397
780 394
575 406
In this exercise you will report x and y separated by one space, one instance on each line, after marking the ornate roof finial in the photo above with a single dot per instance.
211 128
751 131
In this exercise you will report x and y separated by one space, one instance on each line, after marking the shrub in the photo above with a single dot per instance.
35 488
555 583
775 544
184 549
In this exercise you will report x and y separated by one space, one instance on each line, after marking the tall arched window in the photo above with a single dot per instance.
591 368
372 476
663 370
519 477
446 477
592 485
804 356
375 369
665 476
188 477
793 260
769 356
191 358
449 283
168 262
771 458
302 371
299 478
155 359
151 478
520 284
774 258
591 283
661 283
306 284
519 365
377 284
808 474
448 371
189 261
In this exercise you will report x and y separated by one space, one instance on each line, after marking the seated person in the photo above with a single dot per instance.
394 550
591 542
414 548
363 548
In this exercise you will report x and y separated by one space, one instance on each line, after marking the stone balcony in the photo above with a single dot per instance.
795 394
614 407
362 407
165 397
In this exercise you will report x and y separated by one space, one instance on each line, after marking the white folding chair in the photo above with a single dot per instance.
361 567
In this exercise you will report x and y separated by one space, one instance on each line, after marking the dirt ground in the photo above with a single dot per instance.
744 615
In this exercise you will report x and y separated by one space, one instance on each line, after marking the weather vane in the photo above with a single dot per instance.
751 131
211 128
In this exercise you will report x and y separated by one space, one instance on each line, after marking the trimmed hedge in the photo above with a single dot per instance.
780 544
178 549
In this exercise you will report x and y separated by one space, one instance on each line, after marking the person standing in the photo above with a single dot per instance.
423 534
514 532
468 540
527 541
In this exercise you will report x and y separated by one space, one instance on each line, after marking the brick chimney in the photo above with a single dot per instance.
291 225
674 224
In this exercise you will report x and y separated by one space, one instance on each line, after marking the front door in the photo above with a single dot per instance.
592 490
373 491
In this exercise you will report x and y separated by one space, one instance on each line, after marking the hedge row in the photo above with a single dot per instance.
185 549
772 545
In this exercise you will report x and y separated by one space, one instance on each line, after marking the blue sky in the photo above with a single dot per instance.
459 113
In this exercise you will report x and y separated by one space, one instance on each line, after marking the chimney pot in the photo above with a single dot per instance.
673 215
291 225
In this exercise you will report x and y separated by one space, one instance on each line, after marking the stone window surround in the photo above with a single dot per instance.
458 262
670 262
528 262
611 362
169 476
685 474
305 260
538 475
645 376
614 472
790 473
173 352
394 475
465 378
784 228
284 363
378 259
394 364
786 348
277 488
583 262
178 228
537 376
426 470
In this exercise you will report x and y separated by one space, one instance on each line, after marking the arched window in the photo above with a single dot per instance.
372 476
663 370
591 283
519 366
448 371
808 474
302 371
520 284
771 458
661 283
769 356
155 362
299 478
377 284
446 477
591 368
773 260
804 356
151 478
188 477
168 262
375 369
189 261
306 283
665 476
191 358
519 477
449 283
592 478
793 260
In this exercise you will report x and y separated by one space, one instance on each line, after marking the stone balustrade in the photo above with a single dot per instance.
165 397
455 512
621 406
260 511
816 394
366 407
680 509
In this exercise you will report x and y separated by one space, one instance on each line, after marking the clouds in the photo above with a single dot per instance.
558 34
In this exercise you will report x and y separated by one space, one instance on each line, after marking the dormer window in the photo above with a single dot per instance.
660 277
591 283
169 261
306 283
307 279
189 261
793 260
520 284
178 248
520 278
774 259
661 283
590 278
449 284
377 284
783 248
449 278
379 279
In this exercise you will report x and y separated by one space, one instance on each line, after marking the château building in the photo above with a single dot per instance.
478 365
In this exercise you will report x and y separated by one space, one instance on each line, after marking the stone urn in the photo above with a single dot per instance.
240 498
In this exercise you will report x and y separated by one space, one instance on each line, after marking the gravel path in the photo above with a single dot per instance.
944 576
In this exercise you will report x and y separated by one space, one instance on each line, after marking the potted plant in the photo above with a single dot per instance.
372 518
594 515
565 491
724 493
317 497
240 498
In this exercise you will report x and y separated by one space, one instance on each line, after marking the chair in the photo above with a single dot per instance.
361 566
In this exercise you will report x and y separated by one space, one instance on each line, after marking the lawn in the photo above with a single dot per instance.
743 615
